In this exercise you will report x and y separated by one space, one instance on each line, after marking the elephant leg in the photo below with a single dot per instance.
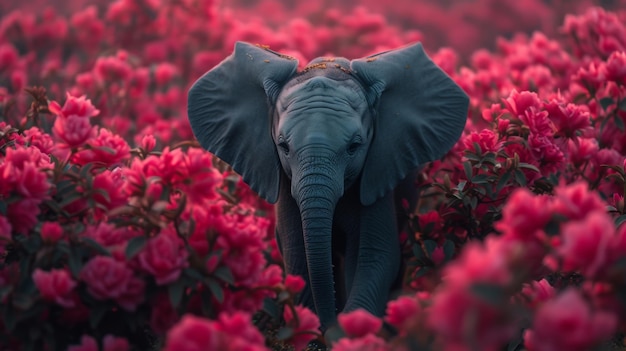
291 241
378 260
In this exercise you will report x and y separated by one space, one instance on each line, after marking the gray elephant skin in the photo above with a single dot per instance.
329 144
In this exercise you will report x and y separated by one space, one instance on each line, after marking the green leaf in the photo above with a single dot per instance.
622 105
284 333
225 275
3 208
32 244
84 171
619 123
620 220
606 102
490 293
94 244
461 185
418 252
480 179
104 194
135 245
271 308
74 261
9 317
448 249
528 166
175 291
503 181
515 344
422 271
430 246
106 149
468 169
65 186
193 274
70 199
520 177
477 148
216 289
207 305
96 314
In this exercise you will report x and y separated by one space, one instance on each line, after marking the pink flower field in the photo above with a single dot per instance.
118 232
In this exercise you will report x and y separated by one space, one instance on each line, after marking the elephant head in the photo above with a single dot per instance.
336 125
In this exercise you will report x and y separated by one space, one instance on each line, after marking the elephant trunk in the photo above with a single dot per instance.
316 190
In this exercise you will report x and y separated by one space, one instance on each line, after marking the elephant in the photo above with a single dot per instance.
329 144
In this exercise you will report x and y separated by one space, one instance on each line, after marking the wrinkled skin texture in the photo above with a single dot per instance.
329 145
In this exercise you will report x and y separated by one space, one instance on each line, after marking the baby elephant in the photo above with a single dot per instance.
329 144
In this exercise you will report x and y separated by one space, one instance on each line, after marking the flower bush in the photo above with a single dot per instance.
117 232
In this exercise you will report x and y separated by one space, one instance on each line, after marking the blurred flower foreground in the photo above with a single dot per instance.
117 232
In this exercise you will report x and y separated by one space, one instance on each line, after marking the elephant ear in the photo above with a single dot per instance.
420 113
228 109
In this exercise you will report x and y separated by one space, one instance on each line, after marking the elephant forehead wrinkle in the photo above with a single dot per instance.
324 89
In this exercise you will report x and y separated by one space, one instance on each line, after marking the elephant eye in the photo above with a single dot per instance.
353 148
284 146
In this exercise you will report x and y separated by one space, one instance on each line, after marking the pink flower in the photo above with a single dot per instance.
582 150
148 143
305 330
229 332
72 125
294 283
616 67
113 343
431 223
164 72
8 56
162 315
549 155
23 214
87 343
106 278
201 179
368 342
133 295
89 27
592 77
106 147
575 201
485 262
164 256
459 318
524 216
22 172
585 244
569 119
519 103
487 140
239 331
108 235
568 323
402 309
537 292
113 68
51 231
438 256
55 285
359 323
35 137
